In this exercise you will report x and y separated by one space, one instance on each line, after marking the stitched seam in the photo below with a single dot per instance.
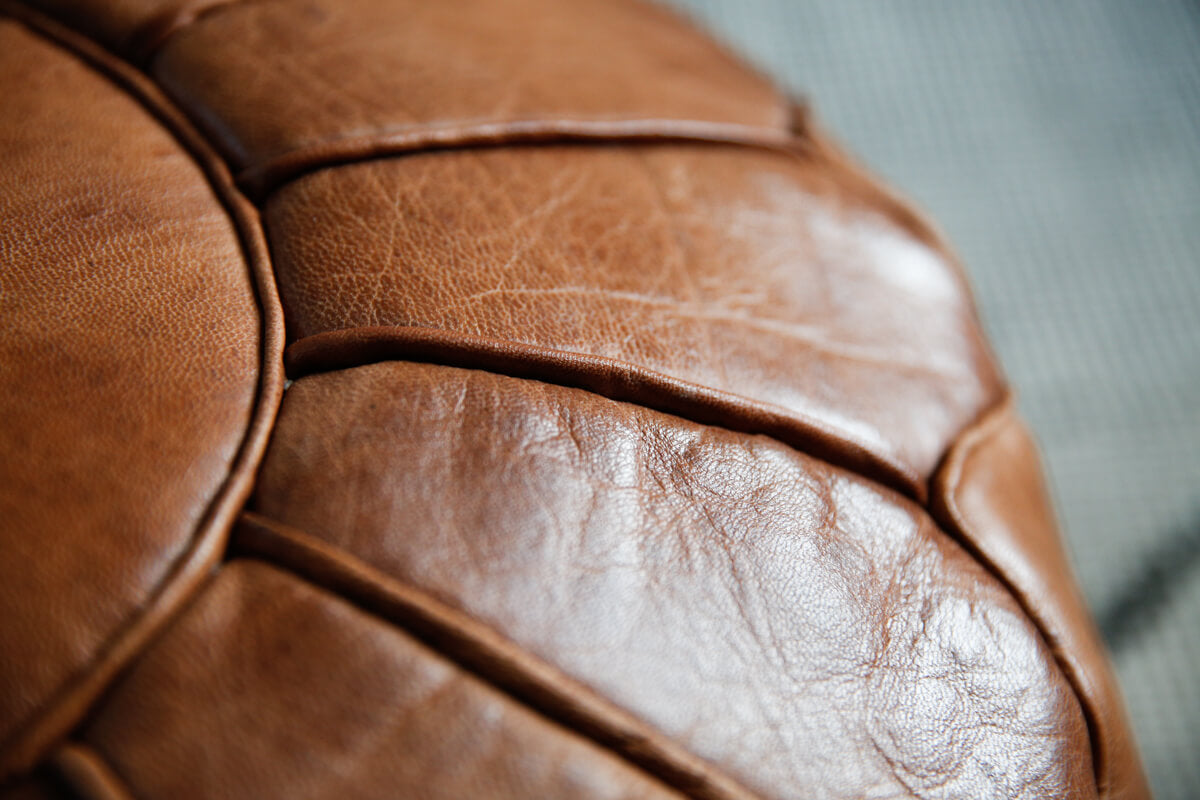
946 489
973 435
56 715
483 652
265 176
608 377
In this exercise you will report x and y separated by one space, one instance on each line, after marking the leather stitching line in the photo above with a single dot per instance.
483 652
260 179
949 477
602 375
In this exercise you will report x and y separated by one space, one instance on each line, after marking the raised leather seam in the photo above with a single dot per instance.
262 178
945 486
70 702
798 136
603 375
88 773
485 653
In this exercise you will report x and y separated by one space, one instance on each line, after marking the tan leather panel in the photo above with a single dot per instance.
274 77
803 630
990 491
771 278
128 366
268 687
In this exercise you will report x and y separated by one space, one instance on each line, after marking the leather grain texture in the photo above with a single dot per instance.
118 263
610 544
990 492
637 444
427 72
713 268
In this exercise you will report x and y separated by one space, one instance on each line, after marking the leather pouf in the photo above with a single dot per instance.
498 399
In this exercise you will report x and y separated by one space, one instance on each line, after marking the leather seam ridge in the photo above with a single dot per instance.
88 773
944 503
71 701
259 180
983 428
485 653
612 378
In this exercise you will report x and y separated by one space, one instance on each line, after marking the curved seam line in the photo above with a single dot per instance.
427 612
535 360
204 547
87 772
960 450
267 175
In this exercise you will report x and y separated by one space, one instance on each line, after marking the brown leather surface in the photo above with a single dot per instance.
261 662
762 599
397 73
710 267
128 366
626 531
990 492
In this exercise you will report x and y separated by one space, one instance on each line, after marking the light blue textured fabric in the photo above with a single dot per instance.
1058 145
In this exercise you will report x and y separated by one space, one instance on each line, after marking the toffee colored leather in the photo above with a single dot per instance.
638 444
710 268
130 338
762 598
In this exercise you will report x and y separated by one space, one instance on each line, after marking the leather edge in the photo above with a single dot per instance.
260 179
148 38
612 378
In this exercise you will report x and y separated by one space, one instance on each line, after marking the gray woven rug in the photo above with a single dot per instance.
1058 145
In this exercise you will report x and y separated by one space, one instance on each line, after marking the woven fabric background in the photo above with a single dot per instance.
1058 146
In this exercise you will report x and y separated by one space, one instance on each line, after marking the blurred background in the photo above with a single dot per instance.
1058 147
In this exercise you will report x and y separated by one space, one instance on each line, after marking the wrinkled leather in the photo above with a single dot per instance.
990 491
638 445
611 542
